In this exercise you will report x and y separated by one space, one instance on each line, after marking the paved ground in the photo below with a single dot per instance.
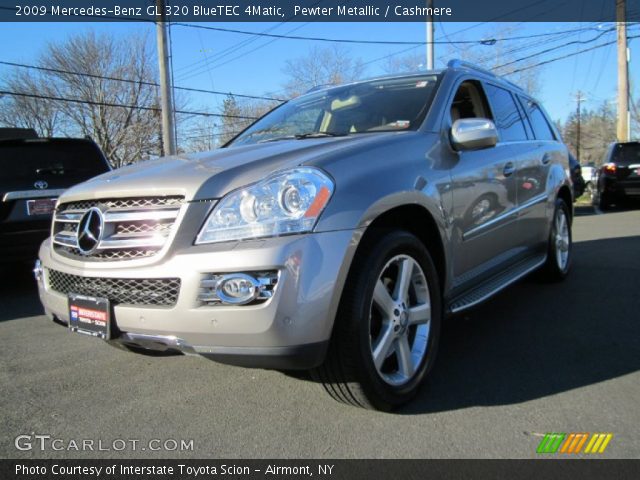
538 358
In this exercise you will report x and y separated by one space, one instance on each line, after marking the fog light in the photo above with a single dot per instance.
237 288
240 288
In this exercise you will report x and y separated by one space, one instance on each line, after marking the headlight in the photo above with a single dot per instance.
286 202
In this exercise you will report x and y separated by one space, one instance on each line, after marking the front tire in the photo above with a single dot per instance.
387 328
560 249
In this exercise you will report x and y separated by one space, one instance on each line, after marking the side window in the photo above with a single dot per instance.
469 102
539 123
507 116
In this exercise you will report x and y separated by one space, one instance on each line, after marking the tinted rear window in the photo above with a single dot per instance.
626 153
539 123
506 114
50 158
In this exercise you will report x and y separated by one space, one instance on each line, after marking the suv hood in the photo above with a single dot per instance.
211 175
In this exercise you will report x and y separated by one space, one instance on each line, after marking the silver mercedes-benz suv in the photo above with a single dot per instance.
333 234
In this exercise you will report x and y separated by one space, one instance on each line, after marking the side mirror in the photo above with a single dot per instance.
473 134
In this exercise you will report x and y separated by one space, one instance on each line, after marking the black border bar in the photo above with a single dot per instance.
542 469
313 11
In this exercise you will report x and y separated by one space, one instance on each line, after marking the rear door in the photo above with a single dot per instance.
545 150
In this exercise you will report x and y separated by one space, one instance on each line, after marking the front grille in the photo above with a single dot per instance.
133 228
130 291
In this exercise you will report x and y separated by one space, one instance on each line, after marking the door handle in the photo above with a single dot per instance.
508 169
546 158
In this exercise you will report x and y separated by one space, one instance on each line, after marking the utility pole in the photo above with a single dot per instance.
166 99
579 99
623 73
430 49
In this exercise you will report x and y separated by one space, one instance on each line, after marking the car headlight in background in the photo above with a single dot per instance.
284 203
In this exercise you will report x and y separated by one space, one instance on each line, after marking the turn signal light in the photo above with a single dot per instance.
609 168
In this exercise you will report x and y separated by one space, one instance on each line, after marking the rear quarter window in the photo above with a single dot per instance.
541 128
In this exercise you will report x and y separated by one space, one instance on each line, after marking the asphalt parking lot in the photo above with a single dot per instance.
538 358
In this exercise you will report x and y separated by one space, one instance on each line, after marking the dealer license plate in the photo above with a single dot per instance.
41 206
89 315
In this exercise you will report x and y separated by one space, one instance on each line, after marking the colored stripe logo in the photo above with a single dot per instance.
574 442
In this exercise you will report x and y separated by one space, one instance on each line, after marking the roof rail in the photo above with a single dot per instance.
456 63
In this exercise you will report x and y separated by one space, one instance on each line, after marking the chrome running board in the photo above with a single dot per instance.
495 284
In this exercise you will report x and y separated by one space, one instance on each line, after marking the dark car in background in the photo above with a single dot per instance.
618 179
576 177
33 174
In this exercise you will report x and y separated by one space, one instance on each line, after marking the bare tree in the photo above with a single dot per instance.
29 112
239 114
597 130
201 135
500 57
119 116
411 62
321 66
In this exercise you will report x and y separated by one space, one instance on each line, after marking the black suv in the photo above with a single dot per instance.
33 173
618 180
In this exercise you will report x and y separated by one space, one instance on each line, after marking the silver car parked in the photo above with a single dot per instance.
333 234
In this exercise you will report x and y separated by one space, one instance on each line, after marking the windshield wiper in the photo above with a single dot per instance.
302 136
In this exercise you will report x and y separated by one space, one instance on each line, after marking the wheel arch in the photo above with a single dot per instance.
414 219
565 194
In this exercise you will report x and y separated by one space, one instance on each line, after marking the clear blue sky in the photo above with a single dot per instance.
256 67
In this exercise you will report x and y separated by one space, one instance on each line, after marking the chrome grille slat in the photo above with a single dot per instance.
109 255
141 215
130 291
133 227
131 242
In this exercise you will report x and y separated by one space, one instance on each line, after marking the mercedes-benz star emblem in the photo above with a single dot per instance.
90 230
41 184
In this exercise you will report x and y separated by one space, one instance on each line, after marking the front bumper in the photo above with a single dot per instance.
290 330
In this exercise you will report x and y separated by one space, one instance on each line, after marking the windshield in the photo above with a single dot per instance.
626 153
376 106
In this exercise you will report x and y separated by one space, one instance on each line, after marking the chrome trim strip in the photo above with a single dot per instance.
111 243
27 194
155 342
65 240
511 213
141 215
68 217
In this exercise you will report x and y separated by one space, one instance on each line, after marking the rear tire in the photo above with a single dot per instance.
601 200
387 328
559 254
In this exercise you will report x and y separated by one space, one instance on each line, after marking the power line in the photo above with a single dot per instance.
365 42
108 104
568 55
217 64
573 42
138 82
239 46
